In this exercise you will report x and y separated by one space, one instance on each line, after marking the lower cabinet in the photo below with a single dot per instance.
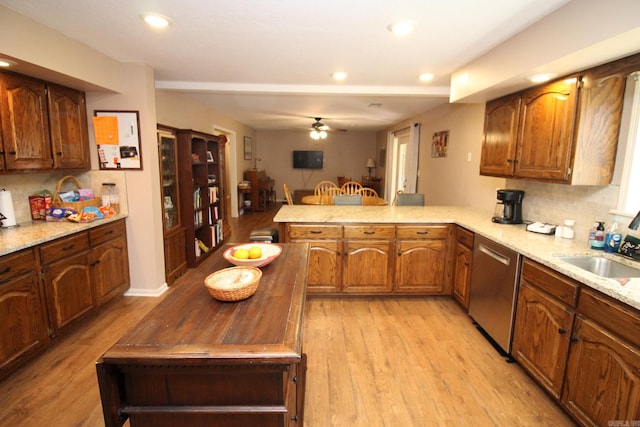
49 288
175 256
23 322
580 345
462 270
375 258
603 371
421 258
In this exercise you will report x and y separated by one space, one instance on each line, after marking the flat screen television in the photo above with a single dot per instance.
307 160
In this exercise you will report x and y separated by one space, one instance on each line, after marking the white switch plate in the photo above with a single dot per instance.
469 156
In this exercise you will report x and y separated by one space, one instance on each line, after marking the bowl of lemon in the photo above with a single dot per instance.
252 254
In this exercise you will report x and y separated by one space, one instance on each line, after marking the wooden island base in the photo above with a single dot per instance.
194 361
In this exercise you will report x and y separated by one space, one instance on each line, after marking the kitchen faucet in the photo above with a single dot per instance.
635 223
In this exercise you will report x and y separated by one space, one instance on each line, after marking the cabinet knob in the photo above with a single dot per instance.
574 339
562 331
12 152
294 380
294 418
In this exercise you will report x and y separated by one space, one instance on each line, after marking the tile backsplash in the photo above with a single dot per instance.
24 185
553 203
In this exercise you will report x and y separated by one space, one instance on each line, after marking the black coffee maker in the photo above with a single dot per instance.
509 207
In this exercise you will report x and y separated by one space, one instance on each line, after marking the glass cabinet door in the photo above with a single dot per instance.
167 150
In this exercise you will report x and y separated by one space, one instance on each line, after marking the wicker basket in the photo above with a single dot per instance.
233 283
58 203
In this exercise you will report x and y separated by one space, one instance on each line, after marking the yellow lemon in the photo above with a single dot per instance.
255 252
241 253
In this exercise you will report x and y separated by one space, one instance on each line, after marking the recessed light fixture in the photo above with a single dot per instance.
156 20
425 77
401 28
541 78
340 75
6 63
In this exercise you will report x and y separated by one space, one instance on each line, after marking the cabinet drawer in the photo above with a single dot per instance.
465 237
64 247
369 232
106 232
422 232
15 264
619 318
315 231
555 284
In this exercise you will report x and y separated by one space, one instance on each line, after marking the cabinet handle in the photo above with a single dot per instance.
294 418
422 232
562 331
512 161
106 233
6 270
463 238
574 339
315 232
66 248
96 262
370 232
58 153
12 152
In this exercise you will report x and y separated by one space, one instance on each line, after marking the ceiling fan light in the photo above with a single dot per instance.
314 134
323 134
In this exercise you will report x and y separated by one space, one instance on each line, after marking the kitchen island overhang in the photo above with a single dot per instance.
197 361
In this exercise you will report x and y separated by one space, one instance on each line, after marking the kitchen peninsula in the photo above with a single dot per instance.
196 361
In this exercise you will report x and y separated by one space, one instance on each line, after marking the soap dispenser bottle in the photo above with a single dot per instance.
598 240
612 239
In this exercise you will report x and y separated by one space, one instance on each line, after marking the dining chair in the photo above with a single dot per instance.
368 192
351 187
343 180
348 199
287 194
322 186
326 198
410 199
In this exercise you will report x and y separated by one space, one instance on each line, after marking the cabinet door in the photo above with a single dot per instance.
545 131
175 256
68 127
68 290
603 377
368 266
500 133
462 275
325 266
25 123
541 337
110 263
23 324
420 266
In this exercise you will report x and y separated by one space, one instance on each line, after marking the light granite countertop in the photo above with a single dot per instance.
33 233
538 247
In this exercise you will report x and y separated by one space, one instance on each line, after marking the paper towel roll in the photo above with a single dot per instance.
6 209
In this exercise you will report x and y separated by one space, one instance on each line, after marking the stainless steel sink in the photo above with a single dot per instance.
603 267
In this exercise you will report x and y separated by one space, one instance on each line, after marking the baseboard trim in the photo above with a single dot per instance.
140 292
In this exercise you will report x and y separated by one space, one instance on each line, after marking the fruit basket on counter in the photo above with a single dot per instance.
246 254
233 283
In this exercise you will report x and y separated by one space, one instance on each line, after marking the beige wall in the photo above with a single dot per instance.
345 154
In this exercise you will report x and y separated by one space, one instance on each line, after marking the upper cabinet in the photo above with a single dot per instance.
44 126
564 132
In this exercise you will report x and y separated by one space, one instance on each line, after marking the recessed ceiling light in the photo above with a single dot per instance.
541 78
6 63
156 21
340 75
401 28
425 77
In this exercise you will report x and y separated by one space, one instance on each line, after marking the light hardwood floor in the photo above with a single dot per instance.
372 362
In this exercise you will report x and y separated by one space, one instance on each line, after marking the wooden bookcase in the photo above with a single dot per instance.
201 172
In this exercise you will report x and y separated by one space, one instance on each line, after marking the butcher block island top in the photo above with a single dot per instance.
195 361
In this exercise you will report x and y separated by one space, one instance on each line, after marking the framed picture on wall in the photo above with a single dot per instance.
248 142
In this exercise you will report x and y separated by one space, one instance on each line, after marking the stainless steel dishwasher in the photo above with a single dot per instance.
492 301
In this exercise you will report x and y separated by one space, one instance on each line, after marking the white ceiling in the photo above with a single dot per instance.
268 63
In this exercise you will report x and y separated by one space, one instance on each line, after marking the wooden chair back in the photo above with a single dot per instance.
326 198
351 187
342 180
368 192
322 186
287 194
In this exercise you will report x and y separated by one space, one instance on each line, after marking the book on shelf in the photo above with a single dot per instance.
213 193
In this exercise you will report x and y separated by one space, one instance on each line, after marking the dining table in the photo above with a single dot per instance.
315 199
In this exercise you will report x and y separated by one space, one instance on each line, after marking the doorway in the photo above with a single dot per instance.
402 157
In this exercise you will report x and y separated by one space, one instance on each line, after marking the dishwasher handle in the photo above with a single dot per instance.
493 254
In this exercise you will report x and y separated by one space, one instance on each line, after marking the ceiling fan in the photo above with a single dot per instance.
319 130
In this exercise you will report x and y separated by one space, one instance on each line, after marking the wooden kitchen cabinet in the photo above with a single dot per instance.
463 262
421 258
603 370
368 258
565 131
25 123
544 319
325 255
68 128
44 126
23 322
109 261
